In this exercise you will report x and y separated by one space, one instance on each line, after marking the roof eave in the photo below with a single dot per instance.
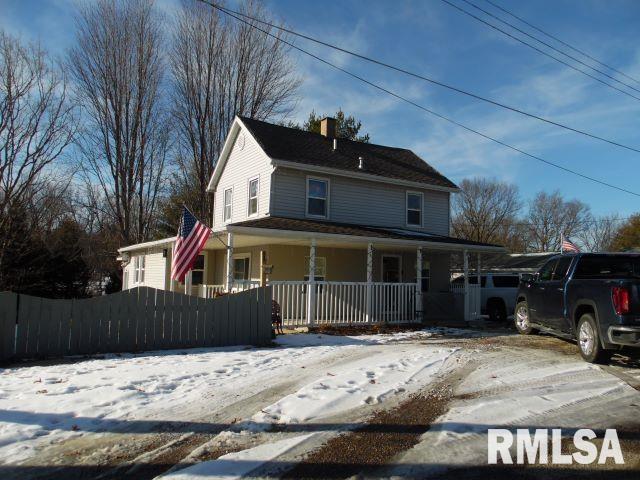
363 176
360 239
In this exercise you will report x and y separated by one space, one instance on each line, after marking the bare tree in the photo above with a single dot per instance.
117 67
485 211
599 235
550 217
221 69
36 125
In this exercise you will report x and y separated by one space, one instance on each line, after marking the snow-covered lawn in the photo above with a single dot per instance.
44 405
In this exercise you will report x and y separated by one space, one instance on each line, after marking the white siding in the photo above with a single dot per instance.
155 269
360 201
155 272
242 165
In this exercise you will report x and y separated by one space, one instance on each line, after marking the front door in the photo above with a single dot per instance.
391 266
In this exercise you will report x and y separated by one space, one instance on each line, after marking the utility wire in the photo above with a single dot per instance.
421 77
548 45
539 50
575 49
417 105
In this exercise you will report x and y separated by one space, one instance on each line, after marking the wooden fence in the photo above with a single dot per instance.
134 320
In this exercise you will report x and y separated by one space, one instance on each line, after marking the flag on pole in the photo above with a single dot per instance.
192 236
568 246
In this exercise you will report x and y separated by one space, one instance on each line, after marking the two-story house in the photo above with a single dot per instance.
344 231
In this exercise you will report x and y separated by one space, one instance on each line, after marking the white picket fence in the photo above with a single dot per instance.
346 303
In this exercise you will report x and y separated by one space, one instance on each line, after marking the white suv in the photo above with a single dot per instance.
498 292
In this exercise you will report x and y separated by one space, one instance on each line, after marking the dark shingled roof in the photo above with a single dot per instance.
291 144
321 226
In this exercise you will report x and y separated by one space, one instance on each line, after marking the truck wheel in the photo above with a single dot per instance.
497 311
522 320
589 341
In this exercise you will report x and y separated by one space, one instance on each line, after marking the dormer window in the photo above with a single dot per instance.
414 209
317 197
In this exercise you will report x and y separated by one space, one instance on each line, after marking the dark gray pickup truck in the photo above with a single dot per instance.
593 298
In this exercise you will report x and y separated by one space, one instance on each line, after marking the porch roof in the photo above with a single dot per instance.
353 233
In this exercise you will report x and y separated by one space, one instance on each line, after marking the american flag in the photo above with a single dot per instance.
192 236
568 246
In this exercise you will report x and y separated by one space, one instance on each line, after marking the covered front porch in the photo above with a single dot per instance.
323 273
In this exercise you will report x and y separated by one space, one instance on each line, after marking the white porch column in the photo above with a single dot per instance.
465 255
229 277
311 287
369 298
479 271
419 285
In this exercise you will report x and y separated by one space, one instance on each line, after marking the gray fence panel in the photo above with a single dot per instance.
8 316
134 320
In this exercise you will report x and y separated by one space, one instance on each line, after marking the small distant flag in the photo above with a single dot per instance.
568 246
192 236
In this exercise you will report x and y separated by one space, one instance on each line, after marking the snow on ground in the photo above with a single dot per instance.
369 381
42 405
528 389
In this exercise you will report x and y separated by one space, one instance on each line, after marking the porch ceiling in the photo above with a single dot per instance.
288 231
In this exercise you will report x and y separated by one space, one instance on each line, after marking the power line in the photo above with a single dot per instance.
422 77
504 22
417 105
575 49
539 50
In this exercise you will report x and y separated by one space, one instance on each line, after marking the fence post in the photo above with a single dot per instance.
8 320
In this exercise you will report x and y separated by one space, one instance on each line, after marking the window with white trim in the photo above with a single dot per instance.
241 267
197 272
320 272
138 269
227 204
414 209
253 197
317 197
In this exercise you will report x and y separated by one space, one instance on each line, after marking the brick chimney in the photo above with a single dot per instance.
328 127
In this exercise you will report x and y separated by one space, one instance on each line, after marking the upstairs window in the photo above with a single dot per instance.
138 269
253 197
317 197
227 204
414 209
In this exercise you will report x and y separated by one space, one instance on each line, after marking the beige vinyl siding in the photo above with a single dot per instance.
243 165
360 201
155 271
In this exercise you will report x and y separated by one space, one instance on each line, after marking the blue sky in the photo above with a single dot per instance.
429 37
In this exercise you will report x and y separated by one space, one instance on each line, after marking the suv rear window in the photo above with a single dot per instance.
506 281
608 266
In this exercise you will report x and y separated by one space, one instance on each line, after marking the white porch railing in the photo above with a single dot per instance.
345 303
